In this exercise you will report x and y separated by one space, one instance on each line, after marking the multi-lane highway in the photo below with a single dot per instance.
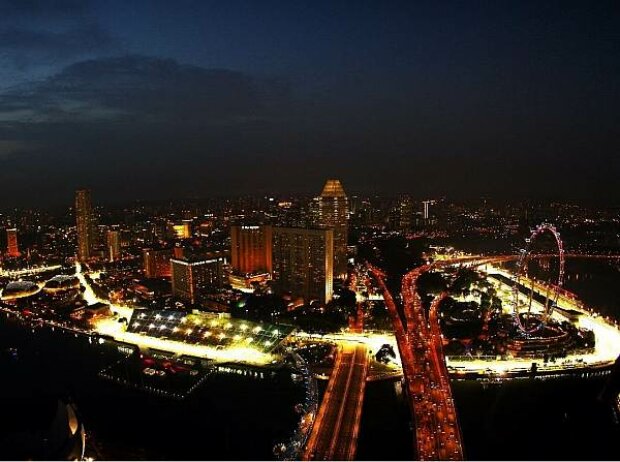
430 396
336 428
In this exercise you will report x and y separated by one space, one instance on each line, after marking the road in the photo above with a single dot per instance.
336 428
430 396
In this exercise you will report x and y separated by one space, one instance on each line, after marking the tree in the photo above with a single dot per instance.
431 283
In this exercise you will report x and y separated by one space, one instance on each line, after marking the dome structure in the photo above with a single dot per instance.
19 289
61 283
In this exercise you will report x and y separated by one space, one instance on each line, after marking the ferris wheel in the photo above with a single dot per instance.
527 319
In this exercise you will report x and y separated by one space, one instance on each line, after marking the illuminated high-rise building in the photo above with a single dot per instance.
426 209
11 243
178 251
250 247
157 262
84 221
303 262
402 215
190 275
114 244
182 230
330 210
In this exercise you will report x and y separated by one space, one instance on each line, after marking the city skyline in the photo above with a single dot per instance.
436 298
309 230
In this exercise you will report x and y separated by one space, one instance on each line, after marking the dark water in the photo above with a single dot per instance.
228 417
385 430
536 420
596 282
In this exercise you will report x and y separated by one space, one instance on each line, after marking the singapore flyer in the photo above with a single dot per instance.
528 318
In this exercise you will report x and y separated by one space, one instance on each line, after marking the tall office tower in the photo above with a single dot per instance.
303 262
405 209
250 248
330 210
11 243
113 239
84 221
190 275
426 208
157 262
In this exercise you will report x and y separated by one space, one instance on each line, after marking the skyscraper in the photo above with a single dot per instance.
11 243
114 244
189 275
157 262
426 208
84 221
404 212
303 262
331 211
250 247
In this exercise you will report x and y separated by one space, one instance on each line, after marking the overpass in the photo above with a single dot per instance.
439 428
437 434
336 427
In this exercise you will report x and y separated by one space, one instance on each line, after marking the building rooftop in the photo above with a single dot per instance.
333 188
209 329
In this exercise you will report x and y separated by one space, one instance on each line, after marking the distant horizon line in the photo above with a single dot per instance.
100 200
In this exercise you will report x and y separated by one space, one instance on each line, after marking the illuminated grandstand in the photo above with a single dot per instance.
208 329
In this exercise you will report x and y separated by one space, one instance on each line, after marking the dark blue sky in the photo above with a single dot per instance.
148 99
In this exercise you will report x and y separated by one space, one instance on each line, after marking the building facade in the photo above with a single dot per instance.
157 262
250 248
303 262
84 221
331 210
12 247
191 275
113 239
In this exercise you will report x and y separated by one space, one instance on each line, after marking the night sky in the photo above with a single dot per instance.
159 99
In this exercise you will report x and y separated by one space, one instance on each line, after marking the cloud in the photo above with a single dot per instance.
24 47
138 89
104 120
38 37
